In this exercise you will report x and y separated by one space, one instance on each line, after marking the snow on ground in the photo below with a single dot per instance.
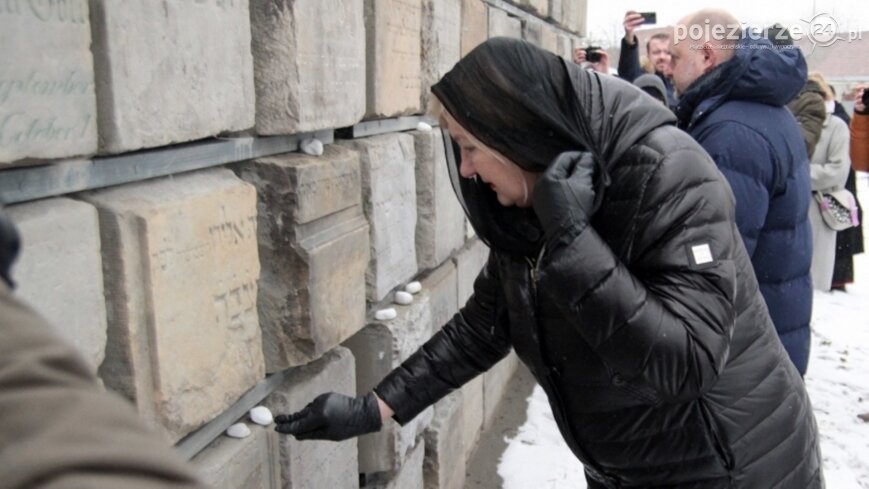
837 382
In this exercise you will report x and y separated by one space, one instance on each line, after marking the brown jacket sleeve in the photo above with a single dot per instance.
59 428
860 142
810 112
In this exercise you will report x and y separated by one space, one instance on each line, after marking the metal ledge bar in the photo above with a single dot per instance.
526 15
195 442
38 182
383 126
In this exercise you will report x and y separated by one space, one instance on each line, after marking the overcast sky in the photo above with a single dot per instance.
605 16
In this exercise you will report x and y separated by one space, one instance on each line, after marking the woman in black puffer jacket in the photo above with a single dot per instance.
616 273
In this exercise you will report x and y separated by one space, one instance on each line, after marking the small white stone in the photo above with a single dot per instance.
261 416
313 147
423 126
385 314
403 298
238 430
413 287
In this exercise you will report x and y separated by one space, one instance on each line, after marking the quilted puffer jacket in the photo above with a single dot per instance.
647 331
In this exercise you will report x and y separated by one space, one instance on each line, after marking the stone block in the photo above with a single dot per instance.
495 381
549 39
393 42
564 46
171 71
533 32
502 24
410 475
556 10
469 261
47 102
475 24
441 42
472 415
444 464
389 201
379 348
59 271
181 267
247 463
316 463
539 8
309 64
442 288
314 238
440 225
574 16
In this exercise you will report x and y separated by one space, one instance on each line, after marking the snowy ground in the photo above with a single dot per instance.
837 381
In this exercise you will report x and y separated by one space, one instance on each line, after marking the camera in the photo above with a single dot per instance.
649 17
592 54
866 98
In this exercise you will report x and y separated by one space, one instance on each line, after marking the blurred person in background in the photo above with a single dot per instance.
849 242
657 51
829 170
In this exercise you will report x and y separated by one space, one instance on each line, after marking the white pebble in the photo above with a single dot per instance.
238 430
413 287
313 147
261 416
403 298
423 126
385 314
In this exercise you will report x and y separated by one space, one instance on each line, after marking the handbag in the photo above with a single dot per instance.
838 209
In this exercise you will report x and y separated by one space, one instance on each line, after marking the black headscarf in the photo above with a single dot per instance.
530 105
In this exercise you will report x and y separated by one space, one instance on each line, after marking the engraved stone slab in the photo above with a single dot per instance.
171 71
441 286
410 475
475 24
469 262
495 381
309 75
389 200
537 7
440 227
316 463
575 14
181 268
379 348
444 464
502 24
472 414
59 271
248 463
314 238
47 102
393 40
441 42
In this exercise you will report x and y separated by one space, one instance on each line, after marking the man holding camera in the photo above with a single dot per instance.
657 49
598 59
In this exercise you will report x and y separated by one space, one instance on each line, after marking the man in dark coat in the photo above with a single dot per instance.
733 94
617 275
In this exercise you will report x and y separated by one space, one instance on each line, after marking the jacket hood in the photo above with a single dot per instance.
757 73
530 105
654 82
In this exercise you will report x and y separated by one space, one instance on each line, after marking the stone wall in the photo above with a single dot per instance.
183 292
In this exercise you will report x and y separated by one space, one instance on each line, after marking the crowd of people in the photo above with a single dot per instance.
653 250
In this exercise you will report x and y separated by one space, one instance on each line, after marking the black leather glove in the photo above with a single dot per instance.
332 416
564 196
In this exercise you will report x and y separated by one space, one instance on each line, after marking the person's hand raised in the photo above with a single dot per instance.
332 416
631 22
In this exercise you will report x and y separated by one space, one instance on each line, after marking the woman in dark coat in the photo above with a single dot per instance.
617 274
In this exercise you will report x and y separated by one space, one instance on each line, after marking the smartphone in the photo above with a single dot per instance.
649 17
592 54
866 97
